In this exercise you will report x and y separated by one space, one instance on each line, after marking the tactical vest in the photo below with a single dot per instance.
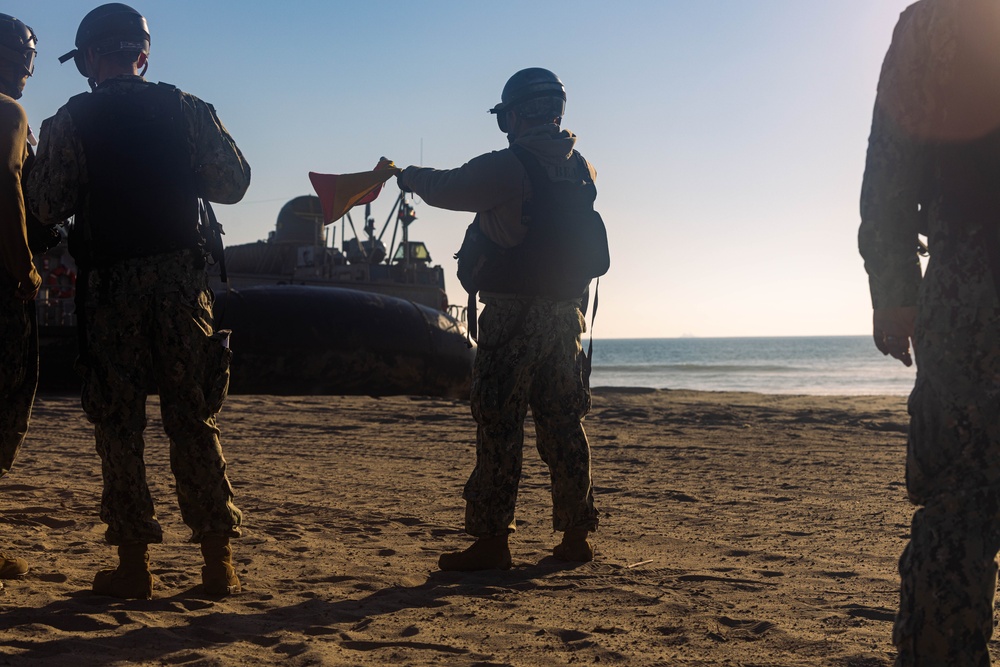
566 245
141 198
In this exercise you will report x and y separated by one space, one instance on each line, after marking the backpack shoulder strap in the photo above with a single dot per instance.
531 165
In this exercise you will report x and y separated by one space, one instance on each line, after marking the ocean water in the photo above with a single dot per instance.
818 365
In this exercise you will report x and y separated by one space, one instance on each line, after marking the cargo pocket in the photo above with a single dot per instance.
217 370
939 444
919 439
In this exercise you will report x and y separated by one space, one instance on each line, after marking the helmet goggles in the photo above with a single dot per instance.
17 43
532 92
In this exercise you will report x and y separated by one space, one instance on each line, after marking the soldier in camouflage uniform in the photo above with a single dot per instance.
19 281
933 169
130 160
529 348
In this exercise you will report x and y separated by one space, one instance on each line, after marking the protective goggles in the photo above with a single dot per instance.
29 61
25 58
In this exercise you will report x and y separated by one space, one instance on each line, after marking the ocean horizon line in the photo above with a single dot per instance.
816 365
753 337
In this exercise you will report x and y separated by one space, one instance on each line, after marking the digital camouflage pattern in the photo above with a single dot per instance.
529 355
18 373
148 323
911 185
933 157
949 570
529 350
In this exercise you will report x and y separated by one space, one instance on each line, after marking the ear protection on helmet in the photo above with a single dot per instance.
501 111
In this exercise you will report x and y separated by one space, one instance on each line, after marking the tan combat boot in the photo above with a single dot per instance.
574 546
12 567
486 553
131 580
218 576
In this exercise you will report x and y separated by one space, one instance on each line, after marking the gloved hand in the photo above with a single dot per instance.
401 181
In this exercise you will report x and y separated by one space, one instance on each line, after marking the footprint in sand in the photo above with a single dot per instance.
871 613
847 574
407 520
744 629
673 635
572 635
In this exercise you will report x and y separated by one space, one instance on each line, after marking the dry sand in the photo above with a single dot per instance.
737 529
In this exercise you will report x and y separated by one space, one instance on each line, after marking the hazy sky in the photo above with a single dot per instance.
729 135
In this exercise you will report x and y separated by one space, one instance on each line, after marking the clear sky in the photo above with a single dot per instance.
729 135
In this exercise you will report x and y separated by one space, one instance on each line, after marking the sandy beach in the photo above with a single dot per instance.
736 529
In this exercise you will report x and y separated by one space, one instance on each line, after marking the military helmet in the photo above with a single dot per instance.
107 29
17 43
534 93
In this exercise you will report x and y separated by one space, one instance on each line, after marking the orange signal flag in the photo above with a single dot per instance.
338 193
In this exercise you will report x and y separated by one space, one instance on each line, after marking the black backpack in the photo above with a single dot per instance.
566 245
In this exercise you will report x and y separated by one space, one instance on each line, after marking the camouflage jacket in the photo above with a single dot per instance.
15 257
494 185
936 121
60 172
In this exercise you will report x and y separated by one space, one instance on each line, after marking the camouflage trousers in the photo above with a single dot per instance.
529 358
948 571
18 374
148 324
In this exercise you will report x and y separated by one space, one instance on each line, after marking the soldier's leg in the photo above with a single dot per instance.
115 368
18 379
559 401
948 575
948 570
18 375
500 380
499 401
192 370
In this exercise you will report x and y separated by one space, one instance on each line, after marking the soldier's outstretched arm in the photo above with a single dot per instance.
480 184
